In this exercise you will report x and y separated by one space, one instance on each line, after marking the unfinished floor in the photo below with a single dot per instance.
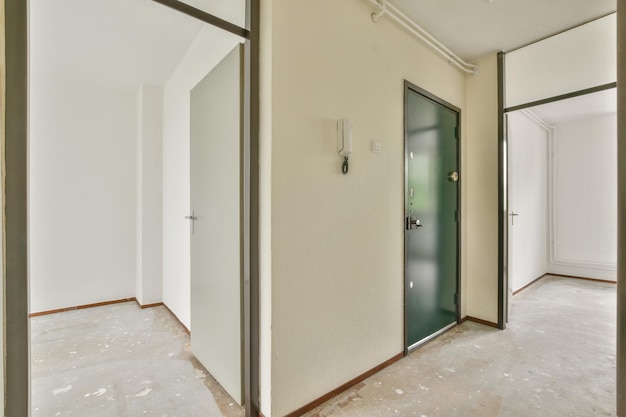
119 361
556 358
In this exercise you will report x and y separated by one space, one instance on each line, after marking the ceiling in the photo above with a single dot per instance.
575 108
125 42
475 28
114 43
233 11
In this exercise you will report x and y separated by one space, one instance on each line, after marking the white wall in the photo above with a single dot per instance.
577 59
82 195
585 198
528 144
479 179
209 47
149 279
337 240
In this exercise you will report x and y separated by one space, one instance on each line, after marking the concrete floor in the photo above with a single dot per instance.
556 358
119 361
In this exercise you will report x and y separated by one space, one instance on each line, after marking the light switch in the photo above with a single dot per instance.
377 147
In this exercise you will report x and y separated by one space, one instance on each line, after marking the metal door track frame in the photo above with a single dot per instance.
429 338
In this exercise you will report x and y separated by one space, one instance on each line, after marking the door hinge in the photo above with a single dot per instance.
456 132
456 299
456 216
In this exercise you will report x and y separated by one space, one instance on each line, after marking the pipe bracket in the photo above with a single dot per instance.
382 5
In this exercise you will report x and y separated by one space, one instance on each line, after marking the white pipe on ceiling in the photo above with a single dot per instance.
386 8
531 115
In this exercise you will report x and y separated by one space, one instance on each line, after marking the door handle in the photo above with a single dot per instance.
453 176
513 214
193 219
412 223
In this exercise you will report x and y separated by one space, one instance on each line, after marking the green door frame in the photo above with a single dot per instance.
408 86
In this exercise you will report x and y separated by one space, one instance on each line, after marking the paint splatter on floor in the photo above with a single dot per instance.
61 390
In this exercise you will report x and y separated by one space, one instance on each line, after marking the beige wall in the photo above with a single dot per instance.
480 193
337 241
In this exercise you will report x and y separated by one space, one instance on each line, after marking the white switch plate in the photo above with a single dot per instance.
377 147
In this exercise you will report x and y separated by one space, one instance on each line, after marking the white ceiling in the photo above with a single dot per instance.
125 42
475 28
575 108
113 43
233 11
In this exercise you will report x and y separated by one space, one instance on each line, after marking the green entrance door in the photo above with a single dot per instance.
431 226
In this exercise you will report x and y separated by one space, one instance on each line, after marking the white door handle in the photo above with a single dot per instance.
193 219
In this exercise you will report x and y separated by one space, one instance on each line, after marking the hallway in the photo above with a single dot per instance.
556 358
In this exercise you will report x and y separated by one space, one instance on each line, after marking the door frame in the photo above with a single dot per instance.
15 226
503 180
503 202
408 86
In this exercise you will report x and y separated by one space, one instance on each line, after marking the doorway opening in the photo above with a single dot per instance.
104 91
562 189
432 223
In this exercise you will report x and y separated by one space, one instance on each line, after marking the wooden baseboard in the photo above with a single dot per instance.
528 285
562 276
150 305
321 400
608 281
81 307
105 303
479 321
177 319
261 414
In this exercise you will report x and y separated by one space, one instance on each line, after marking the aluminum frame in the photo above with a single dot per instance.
15 233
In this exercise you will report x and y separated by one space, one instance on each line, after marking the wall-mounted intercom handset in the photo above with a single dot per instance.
344 142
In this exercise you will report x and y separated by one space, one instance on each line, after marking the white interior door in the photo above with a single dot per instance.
516 242
528 200
216 250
